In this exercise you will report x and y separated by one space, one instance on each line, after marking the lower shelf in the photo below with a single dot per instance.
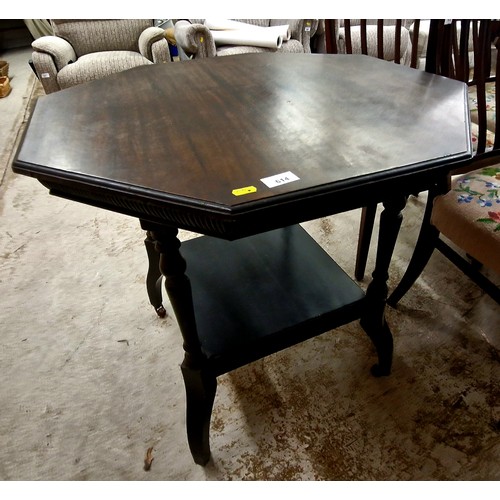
261 294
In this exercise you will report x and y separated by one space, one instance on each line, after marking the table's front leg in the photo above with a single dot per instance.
373 319
199 382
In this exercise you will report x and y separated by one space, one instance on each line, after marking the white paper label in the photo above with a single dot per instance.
45 75
279 179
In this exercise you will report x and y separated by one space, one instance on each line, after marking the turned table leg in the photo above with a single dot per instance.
199 382
373 319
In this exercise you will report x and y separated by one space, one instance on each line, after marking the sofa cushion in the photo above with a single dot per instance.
99 65
96 35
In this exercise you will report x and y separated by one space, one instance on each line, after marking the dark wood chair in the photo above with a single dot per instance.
390 39
462 218
395 40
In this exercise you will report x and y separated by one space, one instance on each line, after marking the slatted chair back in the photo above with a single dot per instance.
383 38
451 41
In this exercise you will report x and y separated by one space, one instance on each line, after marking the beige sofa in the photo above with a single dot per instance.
81 50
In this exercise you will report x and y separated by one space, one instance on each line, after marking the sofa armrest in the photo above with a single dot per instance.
57 48
46 71
194 39
161 51
152 43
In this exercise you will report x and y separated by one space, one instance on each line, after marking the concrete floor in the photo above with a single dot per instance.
91 379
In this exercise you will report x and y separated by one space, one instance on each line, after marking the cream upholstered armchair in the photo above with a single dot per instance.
195 39
87 49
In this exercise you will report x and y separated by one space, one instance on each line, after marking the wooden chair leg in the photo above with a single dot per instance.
365 235
421 255
472 269
424 248
427 241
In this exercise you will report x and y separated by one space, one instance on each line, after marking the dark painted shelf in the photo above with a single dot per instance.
261 294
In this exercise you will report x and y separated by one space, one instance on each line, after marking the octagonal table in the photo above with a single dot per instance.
242 149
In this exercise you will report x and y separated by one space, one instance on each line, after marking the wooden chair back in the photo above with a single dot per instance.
449 43
332 29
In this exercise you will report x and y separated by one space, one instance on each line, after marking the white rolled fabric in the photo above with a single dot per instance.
256 38
227 24
283 30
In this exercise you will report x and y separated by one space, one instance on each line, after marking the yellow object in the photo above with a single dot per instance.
5 87
170 36
4 68
245 190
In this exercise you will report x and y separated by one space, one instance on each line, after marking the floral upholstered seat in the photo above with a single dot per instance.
469 215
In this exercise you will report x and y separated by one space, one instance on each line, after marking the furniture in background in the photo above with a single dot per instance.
466 209
423 38
394 40
81 50
244 172
5 87
349 35
421 30
195 39
389 39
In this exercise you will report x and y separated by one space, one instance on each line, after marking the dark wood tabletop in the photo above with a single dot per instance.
190 142
243 148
